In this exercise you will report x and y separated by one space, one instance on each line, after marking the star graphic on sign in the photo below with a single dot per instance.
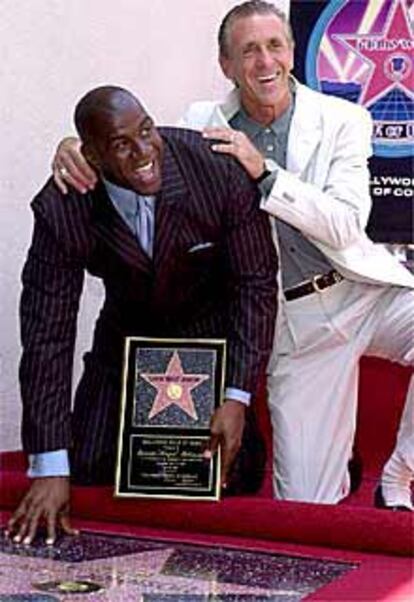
174 387
389 55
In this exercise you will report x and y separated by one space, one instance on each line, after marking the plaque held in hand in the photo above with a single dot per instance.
171 388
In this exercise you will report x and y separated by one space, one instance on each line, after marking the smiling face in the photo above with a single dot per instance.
126 147
259 60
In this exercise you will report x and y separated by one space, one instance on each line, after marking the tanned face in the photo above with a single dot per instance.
126 146
260 59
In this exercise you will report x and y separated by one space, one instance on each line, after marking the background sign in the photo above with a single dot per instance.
363 51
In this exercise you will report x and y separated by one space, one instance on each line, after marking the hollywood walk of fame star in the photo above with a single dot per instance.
396 40
136 576
174 387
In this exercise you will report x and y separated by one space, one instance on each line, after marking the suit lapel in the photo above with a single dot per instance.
109 227
224 112
305 131
169 214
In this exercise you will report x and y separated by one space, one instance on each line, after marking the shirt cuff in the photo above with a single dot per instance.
267 184
49 464
237 395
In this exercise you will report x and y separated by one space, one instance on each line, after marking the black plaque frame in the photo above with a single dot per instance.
164 426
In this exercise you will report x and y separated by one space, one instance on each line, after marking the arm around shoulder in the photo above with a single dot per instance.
327 198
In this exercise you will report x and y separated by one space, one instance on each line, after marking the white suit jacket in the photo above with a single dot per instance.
324 190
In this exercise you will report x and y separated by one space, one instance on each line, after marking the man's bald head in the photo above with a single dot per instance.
100 104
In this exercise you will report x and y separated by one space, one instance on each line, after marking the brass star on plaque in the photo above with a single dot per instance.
174 387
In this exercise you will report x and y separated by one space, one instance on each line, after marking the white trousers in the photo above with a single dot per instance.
313 382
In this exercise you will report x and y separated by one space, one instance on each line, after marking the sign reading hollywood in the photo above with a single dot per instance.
364 51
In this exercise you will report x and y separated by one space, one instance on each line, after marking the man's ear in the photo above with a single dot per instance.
90 155
292 59
226 65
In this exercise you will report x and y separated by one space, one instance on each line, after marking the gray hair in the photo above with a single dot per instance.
247 9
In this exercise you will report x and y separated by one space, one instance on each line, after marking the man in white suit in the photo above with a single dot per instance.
342 296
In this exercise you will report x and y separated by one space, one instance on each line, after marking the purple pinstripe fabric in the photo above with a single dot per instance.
225 290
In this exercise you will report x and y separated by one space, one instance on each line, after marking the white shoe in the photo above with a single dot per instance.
394 491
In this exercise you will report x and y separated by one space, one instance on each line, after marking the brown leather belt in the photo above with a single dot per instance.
316 285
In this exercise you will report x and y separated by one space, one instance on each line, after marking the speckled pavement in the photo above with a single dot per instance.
114 568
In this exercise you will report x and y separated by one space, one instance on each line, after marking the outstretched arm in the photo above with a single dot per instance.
52 284
333 211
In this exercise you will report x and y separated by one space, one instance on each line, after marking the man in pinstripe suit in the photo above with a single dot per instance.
341 296
176 236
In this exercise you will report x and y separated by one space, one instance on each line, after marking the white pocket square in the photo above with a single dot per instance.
200 247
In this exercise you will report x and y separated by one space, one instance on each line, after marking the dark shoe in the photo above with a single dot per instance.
355 471
379 502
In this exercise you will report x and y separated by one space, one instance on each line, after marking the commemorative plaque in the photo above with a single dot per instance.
171 388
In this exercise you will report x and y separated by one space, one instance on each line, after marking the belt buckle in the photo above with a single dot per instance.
315 284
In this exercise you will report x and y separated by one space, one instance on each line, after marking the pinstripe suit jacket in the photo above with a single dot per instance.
225 289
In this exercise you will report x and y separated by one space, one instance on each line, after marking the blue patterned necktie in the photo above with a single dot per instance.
144 222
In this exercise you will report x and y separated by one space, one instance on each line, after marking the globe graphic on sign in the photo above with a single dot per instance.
394 106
